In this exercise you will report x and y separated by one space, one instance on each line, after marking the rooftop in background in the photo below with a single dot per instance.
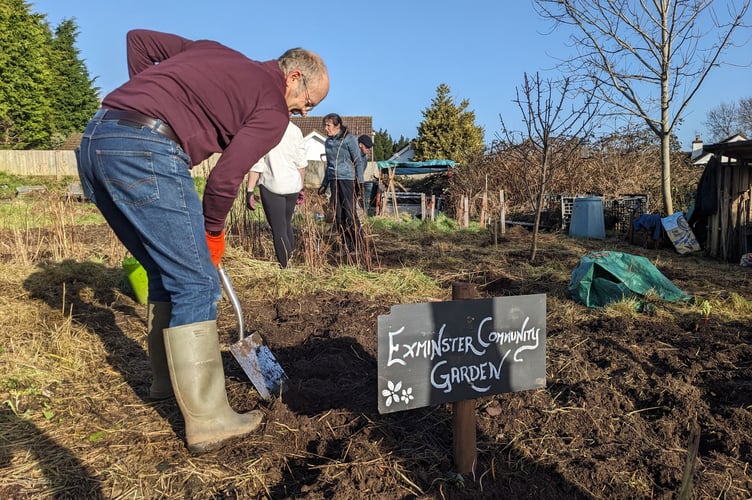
739 150
701 153
356 125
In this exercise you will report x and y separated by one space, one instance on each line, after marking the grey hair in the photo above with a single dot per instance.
310 64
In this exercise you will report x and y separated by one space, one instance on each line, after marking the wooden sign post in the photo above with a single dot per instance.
457 351
463 412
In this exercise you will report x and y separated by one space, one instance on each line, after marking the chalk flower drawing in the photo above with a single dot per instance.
407 395
392 393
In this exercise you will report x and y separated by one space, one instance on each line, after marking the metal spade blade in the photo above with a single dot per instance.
256 359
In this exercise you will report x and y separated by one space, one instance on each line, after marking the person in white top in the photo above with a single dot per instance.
280 176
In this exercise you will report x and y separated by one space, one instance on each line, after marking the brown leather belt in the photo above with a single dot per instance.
139 119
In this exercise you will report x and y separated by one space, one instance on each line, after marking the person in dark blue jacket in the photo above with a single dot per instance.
343 176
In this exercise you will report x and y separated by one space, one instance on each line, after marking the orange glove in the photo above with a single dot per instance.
216 246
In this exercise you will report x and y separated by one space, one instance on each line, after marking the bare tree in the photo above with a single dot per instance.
647 57
723 121
745 117
556 123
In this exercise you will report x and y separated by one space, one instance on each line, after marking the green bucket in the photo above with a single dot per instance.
138 279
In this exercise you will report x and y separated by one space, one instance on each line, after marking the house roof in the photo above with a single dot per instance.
733 138
701 156
356 125
401 152
740 150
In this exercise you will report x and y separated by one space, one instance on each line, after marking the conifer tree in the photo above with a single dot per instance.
45 89
382 145
25 77
400 143
448 131
75 97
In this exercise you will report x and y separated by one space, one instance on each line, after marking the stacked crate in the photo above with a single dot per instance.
567 203
617 212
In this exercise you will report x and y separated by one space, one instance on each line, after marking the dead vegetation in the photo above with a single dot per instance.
624 162
623 392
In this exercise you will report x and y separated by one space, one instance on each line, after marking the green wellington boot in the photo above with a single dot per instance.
199 382
157 319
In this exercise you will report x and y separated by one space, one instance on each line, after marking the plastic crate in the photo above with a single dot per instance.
619 212
567 204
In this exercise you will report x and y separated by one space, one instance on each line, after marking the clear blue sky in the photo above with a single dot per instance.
385 58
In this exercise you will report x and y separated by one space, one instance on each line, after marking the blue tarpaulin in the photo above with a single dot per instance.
416 167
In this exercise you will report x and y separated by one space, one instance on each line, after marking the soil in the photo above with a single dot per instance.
625 396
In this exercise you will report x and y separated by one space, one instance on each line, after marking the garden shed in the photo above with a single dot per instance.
722 208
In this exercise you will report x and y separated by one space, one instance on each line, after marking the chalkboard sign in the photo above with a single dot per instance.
432 353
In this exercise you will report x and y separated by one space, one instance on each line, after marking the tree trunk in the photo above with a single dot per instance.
668 205
539 203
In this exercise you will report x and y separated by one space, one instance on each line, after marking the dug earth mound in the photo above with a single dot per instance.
626 393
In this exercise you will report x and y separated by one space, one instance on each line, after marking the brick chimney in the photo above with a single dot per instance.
696 148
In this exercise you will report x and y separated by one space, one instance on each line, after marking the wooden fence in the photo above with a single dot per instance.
62 163
38 162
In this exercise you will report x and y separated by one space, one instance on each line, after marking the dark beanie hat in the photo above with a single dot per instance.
366 141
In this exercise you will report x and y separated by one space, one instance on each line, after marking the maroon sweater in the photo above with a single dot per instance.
214 98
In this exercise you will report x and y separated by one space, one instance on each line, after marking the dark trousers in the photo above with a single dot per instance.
346 220
279 209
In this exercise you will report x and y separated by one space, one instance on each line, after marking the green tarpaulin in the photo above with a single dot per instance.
416 167
604 277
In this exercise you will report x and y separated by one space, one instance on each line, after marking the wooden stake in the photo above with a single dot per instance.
391 190
503 213
483 206
465 211
685 491
463 412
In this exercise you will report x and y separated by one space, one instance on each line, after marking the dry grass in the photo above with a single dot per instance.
319 246
71 425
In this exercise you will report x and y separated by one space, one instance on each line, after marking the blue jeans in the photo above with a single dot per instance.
140 180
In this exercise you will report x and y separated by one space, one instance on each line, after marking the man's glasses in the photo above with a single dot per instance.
308 104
